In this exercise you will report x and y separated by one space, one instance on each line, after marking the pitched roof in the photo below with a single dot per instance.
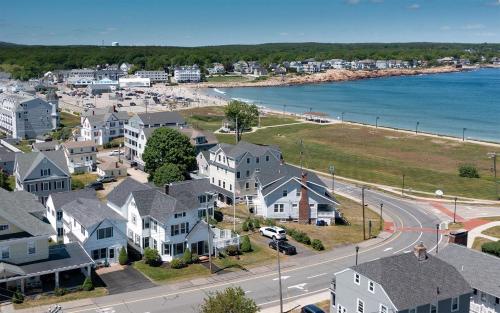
161 118
89 212
236 151
481 270
195 133
79 144
187 192
155 204
27 162
19 208
45 145
410 283
61 198
119 195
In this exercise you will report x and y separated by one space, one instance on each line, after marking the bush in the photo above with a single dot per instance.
123 256
151 257
187 257
316 244
87 284
256 223
110 145
269 222
492 248
195 258
299 236
244 226
177 263
246 246
251 226
468 170
59 292
232 250
76 184
17 297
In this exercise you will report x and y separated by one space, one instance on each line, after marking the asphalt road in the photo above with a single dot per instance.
413 223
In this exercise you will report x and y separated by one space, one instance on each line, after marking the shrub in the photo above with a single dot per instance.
256 223
151 257
244 226
251 226
187 257
76 184
123 256
468 170
232 250
492 248
59 292
316 244
87 284
269 222
299 236
177 263
17 297
246 246
195 258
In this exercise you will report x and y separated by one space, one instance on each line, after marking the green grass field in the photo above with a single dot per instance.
69 120
493 231
161 274
383 156
227 79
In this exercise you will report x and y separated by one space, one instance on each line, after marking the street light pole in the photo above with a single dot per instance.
357 251
403 187
332 171
381 219
455 211
209 241
493 155
279 273
416 128
363 208
376 121
437 238
463 133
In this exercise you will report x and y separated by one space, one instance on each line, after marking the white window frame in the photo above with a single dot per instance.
358 302
371 286
458 304
430 308
357 279
2 250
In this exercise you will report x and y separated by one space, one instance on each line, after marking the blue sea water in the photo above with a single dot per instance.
440 103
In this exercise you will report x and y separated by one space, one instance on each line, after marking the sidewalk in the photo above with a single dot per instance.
477 232
290 304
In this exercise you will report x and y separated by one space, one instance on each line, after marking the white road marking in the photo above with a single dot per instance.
282 278
298 286
314 276
388 249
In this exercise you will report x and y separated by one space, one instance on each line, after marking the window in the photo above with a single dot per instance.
285 192
433 309
257 170
483 296
238 174
297 193
247 185
248 160
104 233
356 278
279 207
174 230
371 287
111 253
4 227
5 252
383 309
166 249
134 219
360 306
82 229
154 225
257 160
341 309
178 248
59 215
31 247
178 215
247 173
454 304
60 231
267 158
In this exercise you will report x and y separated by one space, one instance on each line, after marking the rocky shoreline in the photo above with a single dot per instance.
330 76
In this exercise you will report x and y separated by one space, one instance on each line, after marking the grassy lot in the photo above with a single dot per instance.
69 120
478 242
163 274
383 156
24 146
46 299
227 79
83 179
276 119
493 231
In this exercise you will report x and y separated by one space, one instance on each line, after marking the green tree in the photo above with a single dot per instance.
243 114
187 257
87 284
246 245
167 173
4 180
17 297
151 257
123 256
468 170
167 145
231 299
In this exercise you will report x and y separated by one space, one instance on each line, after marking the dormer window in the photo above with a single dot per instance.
371 287
356 278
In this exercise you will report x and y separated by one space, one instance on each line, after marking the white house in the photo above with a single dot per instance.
187 74
132 82
154 76
81 156
289 193
102 128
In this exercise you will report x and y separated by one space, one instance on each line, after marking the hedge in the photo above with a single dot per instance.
492 248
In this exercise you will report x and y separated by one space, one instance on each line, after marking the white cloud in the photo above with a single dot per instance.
414 6
283 34
473 26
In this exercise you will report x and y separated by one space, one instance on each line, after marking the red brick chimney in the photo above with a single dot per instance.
304 209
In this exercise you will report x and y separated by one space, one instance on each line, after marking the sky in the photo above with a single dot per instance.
217 22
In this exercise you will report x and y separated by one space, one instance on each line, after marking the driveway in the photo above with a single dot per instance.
128 279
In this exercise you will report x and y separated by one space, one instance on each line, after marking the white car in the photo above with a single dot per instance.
115 153
276 233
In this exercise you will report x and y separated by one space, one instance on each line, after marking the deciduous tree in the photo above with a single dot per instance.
230 300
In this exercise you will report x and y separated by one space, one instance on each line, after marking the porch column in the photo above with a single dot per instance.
22 286
57 279
89 269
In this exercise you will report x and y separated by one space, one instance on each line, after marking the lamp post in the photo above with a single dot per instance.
455 211
403 186
357 251
416 128
493 156
463 133
331 169
279 273
363 209
381 219
342 119
376 121
437 238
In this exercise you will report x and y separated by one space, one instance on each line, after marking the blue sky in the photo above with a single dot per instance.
214 22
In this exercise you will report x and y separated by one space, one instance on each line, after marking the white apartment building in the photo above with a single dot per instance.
102 128
187 74
154 76
81 77
81 156
24 116
133 82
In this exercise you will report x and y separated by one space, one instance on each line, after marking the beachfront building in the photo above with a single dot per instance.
241 67
26 258
141 126
187 74
134 82
42 173
110 73
154 76
311 68
81 156
287 193
233 168
42 146
80 77
410 282
101 127
216 69
381 64
366 65
25 116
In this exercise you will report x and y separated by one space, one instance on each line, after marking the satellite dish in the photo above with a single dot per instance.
439 193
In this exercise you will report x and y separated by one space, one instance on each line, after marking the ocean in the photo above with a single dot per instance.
440 103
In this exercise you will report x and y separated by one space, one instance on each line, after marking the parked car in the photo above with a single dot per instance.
284 246
106 179
132 104
311 308
116 152
133 164
321 223
97 185
273 232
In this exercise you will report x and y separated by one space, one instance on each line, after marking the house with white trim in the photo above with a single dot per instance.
81 156
104 126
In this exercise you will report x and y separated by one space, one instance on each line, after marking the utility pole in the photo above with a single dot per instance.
493 155
236 130
381 219
332 171
437 238
369 229
357 251
455 211
463 133
363 208
342 117
403 187
208 195
416 128
279 273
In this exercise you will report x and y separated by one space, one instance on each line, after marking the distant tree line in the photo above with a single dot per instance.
24 62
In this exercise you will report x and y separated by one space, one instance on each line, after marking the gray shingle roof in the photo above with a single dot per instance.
119 195
155 204
272 177
29 161
187 192
19 208
481 270
410 283
161 118
236 151
61 198
45 145
89 212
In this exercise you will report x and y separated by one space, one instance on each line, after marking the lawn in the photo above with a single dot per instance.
260 254
51 299
493 231
69 120
83 179
163 274
24 146
478 242
227 79
383 156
